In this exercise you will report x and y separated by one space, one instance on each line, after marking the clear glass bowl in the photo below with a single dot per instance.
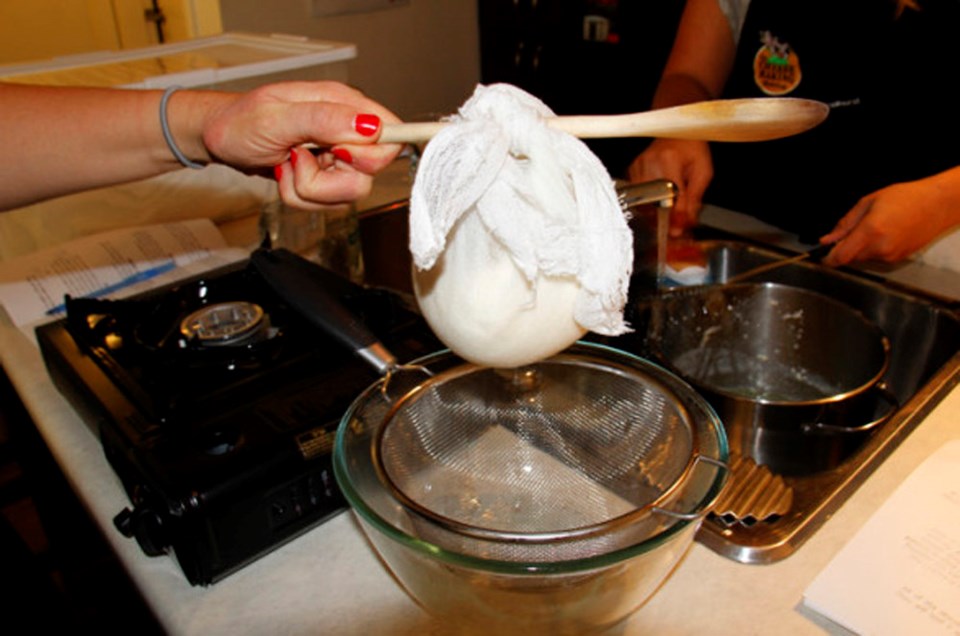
531 595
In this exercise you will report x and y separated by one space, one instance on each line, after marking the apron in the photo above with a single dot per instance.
888 82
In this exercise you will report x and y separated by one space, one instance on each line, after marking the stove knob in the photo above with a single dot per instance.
146 526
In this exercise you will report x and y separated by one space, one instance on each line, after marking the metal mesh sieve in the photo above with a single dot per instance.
571 453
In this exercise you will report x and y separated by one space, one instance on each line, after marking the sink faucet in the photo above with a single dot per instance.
660 191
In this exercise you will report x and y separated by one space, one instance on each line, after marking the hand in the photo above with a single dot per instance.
688 165
893 223
265 127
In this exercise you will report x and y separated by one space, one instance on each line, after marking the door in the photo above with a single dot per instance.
41 29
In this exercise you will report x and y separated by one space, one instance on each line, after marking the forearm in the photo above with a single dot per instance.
701 57
55 141
678 88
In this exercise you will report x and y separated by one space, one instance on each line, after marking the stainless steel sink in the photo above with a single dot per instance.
924 332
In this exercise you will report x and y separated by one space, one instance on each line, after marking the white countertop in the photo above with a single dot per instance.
329 581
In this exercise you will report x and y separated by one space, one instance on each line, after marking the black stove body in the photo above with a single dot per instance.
217 406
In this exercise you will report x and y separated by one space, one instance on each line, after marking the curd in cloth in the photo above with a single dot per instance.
519 241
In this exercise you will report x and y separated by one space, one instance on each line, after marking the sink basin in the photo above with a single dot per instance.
924 332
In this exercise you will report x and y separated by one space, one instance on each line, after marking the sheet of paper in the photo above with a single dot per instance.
108 264
900 574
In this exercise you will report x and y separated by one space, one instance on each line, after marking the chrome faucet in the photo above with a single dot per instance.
660 191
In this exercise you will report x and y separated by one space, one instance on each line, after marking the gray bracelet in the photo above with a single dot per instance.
168 136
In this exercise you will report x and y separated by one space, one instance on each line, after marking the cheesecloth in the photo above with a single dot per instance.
499 188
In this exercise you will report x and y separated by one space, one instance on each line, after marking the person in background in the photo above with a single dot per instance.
56 141
879 177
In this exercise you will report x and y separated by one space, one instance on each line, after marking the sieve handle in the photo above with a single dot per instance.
301 284
698 459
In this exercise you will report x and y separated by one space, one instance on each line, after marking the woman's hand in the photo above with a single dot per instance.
113 136
688 165
267 127
895 222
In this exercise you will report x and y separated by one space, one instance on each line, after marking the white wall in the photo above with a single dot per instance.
419 59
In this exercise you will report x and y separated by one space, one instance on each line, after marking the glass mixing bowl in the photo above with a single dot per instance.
544 588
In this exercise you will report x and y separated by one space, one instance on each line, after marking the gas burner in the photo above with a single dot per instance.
217 405
226 324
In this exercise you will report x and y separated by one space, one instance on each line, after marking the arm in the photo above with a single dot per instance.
894 222
55 141
696 70
701 58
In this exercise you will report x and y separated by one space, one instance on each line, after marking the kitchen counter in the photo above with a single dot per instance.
330 582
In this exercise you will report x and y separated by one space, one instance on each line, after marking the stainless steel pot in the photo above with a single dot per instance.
795 376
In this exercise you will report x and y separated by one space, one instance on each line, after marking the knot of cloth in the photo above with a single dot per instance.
537 192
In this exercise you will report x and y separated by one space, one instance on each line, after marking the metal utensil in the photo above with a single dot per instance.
814 255
747 119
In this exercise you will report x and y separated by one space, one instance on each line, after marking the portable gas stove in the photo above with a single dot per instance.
217 406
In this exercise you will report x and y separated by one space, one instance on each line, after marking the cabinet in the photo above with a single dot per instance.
581 56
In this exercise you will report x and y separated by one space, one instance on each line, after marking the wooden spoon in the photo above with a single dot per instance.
750 119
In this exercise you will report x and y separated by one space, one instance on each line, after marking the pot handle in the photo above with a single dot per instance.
892 402
300 284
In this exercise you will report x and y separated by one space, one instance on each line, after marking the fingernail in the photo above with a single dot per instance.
277 172
293 158
367 125
342 154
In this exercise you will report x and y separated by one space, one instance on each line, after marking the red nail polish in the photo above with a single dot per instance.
293 158
367 125
342 154
277 172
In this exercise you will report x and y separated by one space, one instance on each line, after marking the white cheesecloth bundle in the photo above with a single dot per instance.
519 241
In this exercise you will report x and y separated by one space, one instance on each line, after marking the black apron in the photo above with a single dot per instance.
889 82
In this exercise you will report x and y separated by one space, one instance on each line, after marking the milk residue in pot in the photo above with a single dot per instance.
753 377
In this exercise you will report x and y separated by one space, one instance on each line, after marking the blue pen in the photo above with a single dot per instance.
133 279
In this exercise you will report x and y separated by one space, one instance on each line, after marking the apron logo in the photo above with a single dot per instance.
776 68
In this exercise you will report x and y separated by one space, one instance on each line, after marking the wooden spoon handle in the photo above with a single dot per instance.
749 119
